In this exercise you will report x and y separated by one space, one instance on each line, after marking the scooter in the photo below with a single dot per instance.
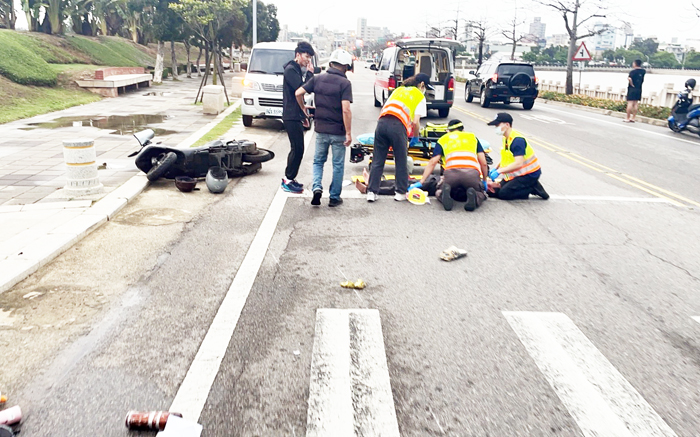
238 158
685 115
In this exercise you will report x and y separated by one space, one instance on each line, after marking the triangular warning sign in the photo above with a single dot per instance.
582 53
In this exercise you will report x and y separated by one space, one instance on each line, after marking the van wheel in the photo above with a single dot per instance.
528 104
247 120
377 103
443 112
467 95
485 102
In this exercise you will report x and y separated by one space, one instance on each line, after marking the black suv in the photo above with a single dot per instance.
507 82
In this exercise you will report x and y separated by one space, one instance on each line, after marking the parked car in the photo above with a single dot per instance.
262 85
432 56
506 82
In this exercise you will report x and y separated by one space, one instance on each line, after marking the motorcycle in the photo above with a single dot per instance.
685 115
238 158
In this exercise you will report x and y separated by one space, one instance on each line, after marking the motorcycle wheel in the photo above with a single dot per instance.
260 155
673 126
162 166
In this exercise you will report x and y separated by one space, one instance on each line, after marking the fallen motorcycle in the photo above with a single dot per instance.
238 158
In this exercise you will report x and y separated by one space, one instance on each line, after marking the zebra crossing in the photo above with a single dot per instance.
350 392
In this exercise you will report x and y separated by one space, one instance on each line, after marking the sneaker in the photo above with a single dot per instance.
292 187
538 190
471 200
400 197
335 202
316 201
300 185
371 197
446 197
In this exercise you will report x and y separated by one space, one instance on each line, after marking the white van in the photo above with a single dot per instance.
262 86
432 56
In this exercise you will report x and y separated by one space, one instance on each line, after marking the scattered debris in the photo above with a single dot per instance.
418 197
452 253
32 295
357 285
3 399
11 416
148 420
296 353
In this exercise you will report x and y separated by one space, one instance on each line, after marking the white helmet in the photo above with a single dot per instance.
340 56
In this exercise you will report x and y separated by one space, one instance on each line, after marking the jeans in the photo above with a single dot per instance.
295 132
335 142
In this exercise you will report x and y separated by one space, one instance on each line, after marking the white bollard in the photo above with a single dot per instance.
81 174
213 99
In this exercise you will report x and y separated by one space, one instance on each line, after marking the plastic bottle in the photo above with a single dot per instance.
148 420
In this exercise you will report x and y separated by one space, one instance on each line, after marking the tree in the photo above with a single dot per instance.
664 60
692 60
480 33
647 46
268 25
512 36
609 55
570 11
8 17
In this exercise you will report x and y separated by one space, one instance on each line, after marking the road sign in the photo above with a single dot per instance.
582 53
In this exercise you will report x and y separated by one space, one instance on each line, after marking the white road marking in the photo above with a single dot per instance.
598 397
350 393
622 125
696 318
544 119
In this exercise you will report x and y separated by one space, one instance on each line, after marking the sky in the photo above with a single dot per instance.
676 19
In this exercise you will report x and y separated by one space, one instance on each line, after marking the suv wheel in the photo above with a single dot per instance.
247 120
485 101
528 104
443 112
467 95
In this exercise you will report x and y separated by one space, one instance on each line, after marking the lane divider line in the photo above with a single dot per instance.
671 197
696 318
598 397
350 391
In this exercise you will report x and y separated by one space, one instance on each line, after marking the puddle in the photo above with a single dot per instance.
118 124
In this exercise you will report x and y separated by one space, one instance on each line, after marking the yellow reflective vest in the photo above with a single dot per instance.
459 151
402 104
530 165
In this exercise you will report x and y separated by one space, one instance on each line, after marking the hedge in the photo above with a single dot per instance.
22 65
659 113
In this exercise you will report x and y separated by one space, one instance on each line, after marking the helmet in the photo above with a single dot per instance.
342 57
217 180
185 183
690 83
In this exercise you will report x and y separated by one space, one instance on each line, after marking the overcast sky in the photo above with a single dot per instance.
665 20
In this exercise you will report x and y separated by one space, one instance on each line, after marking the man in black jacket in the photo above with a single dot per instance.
293 117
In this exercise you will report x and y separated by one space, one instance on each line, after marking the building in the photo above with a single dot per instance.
605 40
284 34
560 39
537 28
369 33
676 49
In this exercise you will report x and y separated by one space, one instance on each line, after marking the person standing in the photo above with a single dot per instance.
634 90
399 118
465 166
333 95
293 117
519 166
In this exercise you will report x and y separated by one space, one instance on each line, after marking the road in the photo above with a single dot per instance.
577 316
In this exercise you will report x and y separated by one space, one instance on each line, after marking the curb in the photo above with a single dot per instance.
639 119
43 250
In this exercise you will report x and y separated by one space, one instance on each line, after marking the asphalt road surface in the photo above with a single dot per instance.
576 316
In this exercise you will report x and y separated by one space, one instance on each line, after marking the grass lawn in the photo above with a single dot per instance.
220 129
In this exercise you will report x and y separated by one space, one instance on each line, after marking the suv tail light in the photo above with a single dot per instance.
451 84
536 80
392 83
494 78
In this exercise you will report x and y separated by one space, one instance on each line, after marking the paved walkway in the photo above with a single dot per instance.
37 223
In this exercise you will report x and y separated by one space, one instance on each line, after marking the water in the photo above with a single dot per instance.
119 124
652 82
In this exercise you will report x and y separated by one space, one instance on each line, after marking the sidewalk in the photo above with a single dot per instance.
36 222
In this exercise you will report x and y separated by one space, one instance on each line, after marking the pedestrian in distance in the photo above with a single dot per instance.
293 117
333 120
464 162
518 166
634 90
399 119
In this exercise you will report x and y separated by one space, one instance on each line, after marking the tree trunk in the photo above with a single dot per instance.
512 53
13 16
199 57
189 62
173 60
215 58
481 52
573 38
158 73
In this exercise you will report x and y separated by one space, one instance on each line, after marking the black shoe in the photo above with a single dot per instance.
538 190
446 198
335 202
316 201
471 200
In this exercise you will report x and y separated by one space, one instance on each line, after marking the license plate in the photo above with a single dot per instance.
515 100
274 112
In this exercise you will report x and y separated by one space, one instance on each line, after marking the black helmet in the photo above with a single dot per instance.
690 83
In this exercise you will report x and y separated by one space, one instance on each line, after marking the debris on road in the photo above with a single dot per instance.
11 416
296 353
148 420
452 253
418 197
357 285
3 399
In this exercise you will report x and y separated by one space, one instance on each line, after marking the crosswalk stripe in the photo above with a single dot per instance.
349 392
597 396
696 318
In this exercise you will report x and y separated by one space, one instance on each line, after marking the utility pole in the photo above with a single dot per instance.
255 22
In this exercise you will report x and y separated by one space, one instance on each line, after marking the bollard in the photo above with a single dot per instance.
213 99
81 168
237 67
